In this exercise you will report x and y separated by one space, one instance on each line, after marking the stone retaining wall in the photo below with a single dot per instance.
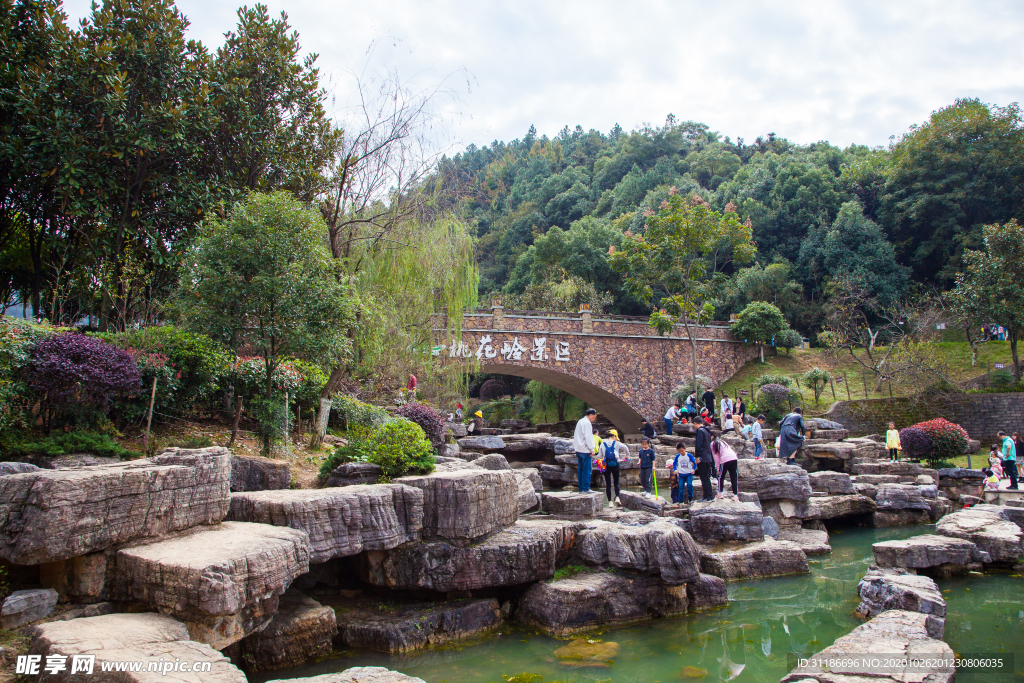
982 415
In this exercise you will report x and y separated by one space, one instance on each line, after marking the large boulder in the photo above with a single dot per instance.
467 505
641 503
17 468
572 505
886 589
772 479
302 630
525 552
358 674
986 529
493 461
481 443
355 474
415 626
660 548
528 498
592 600
725 519
706 591
339 521
253 473
533 474
832 483
144 637
51 515
900 497
894 634
835 507
25 606
1013 511
223 582
942 555
811 541
757 559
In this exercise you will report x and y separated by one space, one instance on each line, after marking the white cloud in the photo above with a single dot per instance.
847 72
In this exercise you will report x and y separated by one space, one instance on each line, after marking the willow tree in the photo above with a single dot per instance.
679 258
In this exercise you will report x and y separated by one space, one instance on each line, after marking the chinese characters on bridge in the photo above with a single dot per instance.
510 350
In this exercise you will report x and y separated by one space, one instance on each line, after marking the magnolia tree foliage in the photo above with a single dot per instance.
678 257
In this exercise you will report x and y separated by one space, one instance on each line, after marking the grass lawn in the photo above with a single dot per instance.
848 375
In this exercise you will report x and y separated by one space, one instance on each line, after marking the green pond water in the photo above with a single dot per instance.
767 623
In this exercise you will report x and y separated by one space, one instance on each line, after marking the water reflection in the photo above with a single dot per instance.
755 638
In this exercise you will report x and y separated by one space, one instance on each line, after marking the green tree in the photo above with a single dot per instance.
272 131
817 379
264 280
770 283
759 323
788 339
679 258
989 283
961 169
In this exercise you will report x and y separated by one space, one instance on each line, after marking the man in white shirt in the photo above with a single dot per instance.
726 405
583 444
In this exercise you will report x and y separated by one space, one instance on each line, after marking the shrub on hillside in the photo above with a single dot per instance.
60 443
788 339
352 412
400 447
771 378
772 397
916 442
429 420
493 389
78 376
949 440
17 339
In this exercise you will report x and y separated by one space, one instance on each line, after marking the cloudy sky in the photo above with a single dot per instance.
847 72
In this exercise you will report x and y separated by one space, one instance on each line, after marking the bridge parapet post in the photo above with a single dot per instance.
588 319
498 315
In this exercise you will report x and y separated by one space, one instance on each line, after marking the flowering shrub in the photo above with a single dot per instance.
249 374
948 439
72 372
916 442
772 397
429 420
493 389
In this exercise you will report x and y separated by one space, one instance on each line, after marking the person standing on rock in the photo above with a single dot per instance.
683 467
705 458
727 464
692 407
709 402
757 433
672 414
791 435
1009 452
892 442
583 444
739 410
613 452
646 456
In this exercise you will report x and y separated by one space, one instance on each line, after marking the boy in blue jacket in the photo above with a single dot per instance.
646 465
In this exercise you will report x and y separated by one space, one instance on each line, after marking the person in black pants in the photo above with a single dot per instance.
709 402
705 459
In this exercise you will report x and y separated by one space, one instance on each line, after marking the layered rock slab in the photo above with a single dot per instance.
302 630
591 600
144 637
527 551
832 483
25 606
705 592
892 635
774 480
254 473
52 515
811 541
466 505
887 589
339 521
358 674
572 505
987 529
928 551
725 519
758 559
223 582
661 548
412 627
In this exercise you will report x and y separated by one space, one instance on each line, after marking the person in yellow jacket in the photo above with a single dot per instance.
892 442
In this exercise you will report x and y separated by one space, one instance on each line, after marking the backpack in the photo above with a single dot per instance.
609 454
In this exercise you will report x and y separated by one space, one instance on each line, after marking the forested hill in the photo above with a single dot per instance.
547 210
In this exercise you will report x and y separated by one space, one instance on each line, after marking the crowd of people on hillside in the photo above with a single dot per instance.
994 333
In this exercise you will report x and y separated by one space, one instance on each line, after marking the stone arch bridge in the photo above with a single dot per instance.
617 364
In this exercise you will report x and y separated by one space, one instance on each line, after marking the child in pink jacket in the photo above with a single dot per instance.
726 462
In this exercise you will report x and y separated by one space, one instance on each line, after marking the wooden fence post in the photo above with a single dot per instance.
149 418
846 381
833 385
864 377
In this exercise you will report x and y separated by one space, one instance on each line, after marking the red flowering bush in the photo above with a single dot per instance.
948 439
75 374
429 419
916 442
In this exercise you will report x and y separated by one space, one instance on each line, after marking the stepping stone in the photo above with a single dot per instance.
24 607
144 637
223 582
661 548
641 503
595 599
987 529
735 560
725 519
253 473
811 541
929 552
301 631
413 627
527 551
887 589
357 674
339 521
467 505
572 505
51 515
